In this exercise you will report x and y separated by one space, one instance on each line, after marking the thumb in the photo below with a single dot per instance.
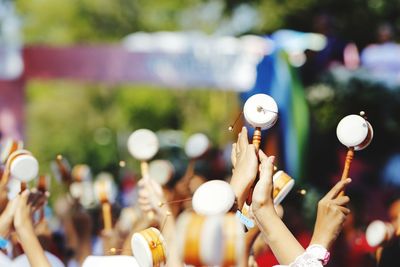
264 185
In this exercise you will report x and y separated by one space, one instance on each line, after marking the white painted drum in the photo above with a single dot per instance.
354 131
161 171
261 110
197 145
213 198
23 165
143 144
283 184
149 248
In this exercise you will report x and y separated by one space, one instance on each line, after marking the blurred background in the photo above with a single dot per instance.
77 77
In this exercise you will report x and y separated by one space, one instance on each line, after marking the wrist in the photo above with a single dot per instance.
23 229
320 240
264 210
4 228
240 194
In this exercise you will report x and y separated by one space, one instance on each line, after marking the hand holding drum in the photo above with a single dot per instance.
261 112
143 145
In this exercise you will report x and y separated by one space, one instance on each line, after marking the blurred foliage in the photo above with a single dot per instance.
88 21
90 123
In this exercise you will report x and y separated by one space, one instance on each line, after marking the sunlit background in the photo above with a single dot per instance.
78 76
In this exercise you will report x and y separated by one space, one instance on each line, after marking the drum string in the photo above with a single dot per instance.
232 126
174 201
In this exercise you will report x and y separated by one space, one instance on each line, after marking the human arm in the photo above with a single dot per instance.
25 231
281 241
245 167
6 217
331 214
151 198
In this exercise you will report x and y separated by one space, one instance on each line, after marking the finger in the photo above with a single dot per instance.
337 188
243 140
344 210
262 155
233 155
24 196
341 200
267 168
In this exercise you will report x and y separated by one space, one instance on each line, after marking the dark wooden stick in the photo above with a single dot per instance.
347 164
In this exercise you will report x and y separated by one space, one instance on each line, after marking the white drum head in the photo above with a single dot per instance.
76 189
161 171
83 191
376 233
107 261
24 168
197 145
213 198
143 144
285 189
352 130
141 251
261 110
105 184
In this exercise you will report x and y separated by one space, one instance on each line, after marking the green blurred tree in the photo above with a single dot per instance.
88 21
90 123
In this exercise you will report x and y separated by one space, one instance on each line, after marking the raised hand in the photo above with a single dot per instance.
152 199
332 212
245 164
24 228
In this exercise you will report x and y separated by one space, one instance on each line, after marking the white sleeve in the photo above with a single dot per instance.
314 256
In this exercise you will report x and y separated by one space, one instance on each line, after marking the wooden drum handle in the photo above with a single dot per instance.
256 143
144 168
107 216
257 138
347 164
